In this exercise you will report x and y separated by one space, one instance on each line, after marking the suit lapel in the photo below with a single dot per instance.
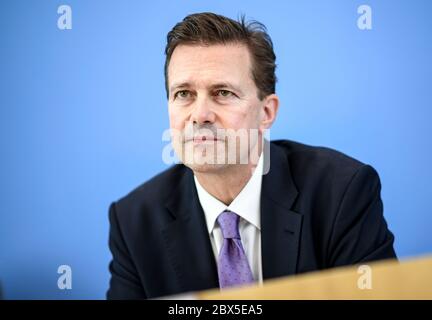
187 239
280 226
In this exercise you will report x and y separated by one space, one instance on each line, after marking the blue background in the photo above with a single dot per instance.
82 113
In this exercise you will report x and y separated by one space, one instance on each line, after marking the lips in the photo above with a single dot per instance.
204 139
200 139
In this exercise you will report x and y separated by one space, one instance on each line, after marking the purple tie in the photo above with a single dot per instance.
233 266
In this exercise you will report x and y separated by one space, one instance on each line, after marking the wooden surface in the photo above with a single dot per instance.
407 279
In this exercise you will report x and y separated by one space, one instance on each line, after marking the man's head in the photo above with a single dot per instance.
219 76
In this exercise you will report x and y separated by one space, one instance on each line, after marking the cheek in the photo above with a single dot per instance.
176 120
241 119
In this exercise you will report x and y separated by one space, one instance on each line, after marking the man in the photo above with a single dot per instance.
277 208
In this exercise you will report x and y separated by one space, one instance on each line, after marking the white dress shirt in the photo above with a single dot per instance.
247 206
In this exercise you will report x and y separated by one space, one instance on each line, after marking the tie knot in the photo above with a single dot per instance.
228 222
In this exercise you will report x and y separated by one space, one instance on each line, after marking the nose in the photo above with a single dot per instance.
202 112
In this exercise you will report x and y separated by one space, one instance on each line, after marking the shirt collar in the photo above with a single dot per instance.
246 204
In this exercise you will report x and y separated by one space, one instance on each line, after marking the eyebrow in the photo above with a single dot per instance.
215 86
179 85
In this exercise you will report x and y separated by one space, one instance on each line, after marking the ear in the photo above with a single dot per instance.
269 111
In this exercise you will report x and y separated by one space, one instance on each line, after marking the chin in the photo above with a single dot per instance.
205 168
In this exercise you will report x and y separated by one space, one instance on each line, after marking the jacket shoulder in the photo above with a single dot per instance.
155 190
324 166
319 156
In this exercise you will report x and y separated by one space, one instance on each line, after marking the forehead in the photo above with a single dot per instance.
200 64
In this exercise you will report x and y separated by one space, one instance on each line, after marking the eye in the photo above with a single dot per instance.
224 93
182 94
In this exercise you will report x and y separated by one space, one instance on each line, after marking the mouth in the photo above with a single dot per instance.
203 139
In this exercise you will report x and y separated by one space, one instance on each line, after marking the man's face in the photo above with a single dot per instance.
210 90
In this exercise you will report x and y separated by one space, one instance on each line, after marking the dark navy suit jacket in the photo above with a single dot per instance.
319 209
